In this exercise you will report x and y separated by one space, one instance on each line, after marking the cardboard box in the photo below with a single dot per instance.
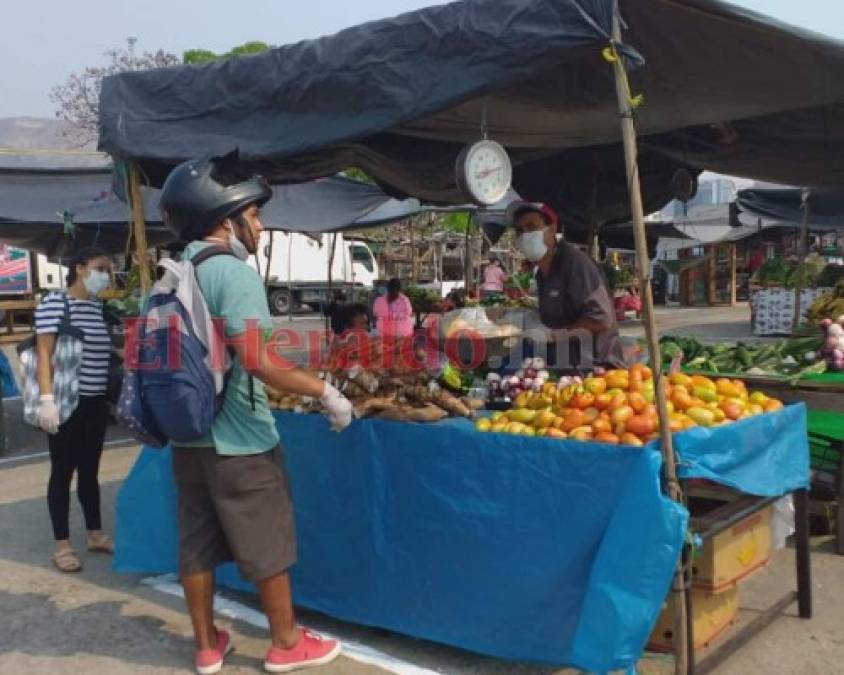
712 614
734 554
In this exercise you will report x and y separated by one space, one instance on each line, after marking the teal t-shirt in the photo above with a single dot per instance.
233 292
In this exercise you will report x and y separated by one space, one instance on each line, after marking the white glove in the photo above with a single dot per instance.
338 408
48 414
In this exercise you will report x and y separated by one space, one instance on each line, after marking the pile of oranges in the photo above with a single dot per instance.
619 407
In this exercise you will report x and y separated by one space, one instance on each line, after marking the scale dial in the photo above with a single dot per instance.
484 172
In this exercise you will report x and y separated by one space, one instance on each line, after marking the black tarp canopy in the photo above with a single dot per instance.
725 89
51 210
826 207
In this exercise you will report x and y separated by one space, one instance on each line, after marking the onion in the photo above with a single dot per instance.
830 344
810 357
539 362
543 375
838 355
519 374
527 363
530 373
527 383
835 330
599 371
493 377
840 320
826 323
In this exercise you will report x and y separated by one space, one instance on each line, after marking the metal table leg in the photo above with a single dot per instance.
801 547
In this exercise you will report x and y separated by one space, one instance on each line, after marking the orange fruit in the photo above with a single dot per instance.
606 437
595 385
681 399
643 370
703 381
601 425
618 401
555 433
581 434
681 380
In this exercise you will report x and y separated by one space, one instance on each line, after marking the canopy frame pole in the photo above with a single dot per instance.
330 285
628 130
802 250
139 226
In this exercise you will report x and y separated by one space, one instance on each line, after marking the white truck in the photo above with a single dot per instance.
298 269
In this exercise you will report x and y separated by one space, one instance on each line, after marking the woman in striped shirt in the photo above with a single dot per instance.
77 444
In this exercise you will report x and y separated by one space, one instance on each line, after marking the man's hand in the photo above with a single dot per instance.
338 408
48 414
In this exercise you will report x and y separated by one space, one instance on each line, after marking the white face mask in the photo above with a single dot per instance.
533 246
96 282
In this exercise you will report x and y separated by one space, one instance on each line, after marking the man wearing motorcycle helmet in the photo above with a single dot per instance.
233 491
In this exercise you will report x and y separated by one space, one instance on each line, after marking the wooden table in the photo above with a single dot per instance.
10 307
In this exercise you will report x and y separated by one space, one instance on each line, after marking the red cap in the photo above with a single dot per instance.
515 209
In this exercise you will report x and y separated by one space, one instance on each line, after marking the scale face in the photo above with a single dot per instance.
484 172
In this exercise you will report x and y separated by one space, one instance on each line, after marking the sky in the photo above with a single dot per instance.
44 41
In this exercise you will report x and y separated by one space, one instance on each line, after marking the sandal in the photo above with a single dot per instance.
66 561
100 543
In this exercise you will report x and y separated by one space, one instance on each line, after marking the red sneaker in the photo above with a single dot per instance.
311 651
210 661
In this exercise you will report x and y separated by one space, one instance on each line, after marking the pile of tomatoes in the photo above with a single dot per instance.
619 407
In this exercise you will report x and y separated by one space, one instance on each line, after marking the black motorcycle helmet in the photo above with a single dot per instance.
196 196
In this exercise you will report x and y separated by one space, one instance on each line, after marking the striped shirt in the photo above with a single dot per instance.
87 316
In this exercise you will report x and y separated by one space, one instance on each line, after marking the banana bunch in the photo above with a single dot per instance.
828 306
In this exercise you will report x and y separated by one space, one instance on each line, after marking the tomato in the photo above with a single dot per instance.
618 401
595 385
641 425
637 401
601 425
574 419
773 405
602 401
681 379
681 399
606 437
631 439
617 379
703 416
703 381
583 400
622 414
732 409
581 434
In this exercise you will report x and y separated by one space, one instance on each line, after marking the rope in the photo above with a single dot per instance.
611 56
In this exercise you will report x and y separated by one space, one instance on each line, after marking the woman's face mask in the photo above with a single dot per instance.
96 282
533 246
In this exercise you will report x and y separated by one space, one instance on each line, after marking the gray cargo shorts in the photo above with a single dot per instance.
234 508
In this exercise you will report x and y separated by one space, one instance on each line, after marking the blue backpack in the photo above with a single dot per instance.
173 394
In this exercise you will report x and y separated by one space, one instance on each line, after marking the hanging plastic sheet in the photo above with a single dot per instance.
442 533
766 455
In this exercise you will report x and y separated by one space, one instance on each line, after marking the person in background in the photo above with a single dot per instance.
757 259
494 278
525 278
393 312
234 502
77 444
573 291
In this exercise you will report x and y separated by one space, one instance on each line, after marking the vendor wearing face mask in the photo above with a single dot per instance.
573 293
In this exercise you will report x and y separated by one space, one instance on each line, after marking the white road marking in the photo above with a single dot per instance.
168 583
34 455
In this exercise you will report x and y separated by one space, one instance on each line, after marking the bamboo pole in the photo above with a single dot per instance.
139 226
628 130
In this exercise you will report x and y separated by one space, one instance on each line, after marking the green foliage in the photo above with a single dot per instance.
197 56
457 222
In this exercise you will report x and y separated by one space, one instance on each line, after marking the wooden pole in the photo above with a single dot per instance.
802 249
628 130
468 271
139 226
413 251
733 274
711 272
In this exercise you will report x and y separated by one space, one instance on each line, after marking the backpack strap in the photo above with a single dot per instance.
210 252
206 254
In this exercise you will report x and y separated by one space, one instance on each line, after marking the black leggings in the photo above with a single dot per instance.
78 447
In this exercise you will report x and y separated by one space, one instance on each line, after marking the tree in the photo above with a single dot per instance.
78 99
199 56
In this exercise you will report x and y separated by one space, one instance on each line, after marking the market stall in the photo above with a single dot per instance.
447 534
553 82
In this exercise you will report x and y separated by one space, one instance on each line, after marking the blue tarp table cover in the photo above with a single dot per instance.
520 548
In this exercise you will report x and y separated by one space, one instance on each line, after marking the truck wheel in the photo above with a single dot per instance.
280 301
